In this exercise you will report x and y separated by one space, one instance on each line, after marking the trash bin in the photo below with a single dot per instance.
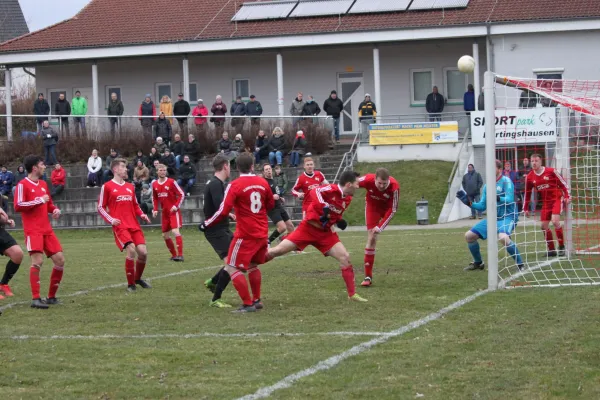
423 212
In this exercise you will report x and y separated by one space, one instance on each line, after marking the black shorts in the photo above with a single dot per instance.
278 214
6 241
220 239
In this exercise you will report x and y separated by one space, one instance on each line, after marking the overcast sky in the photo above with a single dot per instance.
42 13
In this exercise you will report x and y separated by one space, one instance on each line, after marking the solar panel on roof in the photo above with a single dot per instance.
312 8
264 10
374 6
437 4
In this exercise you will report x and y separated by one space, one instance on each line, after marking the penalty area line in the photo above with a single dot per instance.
333 361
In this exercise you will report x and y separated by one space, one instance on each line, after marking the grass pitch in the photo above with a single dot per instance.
166 342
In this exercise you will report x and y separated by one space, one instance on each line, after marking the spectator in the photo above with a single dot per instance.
281 180
472 184
254 109
296 109
311 108
7 180
187 175
237 146
160 146
50 140
94 166
528 99
140 156
163 129
298 149
62 109
147 113
469 99
276 147
154 155
238 109
115 109
58 178
520 187
200 112
546 101
367 111
481 101
333 107
169 161
19 176
224 146
41 108
181 110
192 149
166 107
510 173
177 150
79 110
261 147
146 199
141 174
153 170
434 104
107 174
219 109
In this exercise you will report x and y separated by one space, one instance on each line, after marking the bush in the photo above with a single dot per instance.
23 105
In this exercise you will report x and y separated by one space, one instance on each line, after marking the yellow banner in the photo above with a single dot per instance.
413 133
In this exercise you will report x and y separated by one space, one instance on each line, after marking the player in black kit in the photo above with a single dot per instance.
9 248
278 215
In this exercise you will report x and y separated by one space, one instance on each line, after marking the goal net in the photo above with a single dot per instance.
559 120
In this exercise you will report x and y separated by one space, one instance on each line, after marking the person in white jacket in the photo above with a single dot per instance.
94 166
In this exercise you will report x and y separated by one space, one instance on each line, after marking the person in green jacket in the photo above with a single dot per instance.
79 109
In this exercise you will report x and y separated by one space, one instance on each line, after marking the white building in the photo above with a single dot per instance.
12 25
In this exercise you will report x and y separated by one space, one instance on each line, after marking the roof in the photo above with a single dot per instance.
12 21
109 23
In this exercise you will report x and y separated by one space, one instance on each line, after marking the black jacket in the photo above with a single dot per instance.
187 171
192 149
53 139
367 110
169 161
143 158
238 109
311 108
62 107
277 143
177 148
224 145
299 145
152 157
434 103
115 108
333 107
163 129
41 107
181 108
254 108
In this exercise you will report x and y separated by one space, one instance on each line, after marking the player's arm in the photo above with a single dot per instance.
224 209
52 209
270 197
154 201
481 204
562 184
391 211
362 181
528 190
324 181
297 189
179 195
508 197
138 210
21 204
102 203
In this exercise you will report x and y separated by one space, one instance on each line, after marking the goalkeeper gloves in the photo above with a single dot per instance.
462 196
325 217
498 199
342 224
202 227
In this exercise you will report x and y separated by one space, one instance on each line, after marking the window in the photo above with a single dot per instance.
241 87
162 89
53 97
421 84
455 85
550 78
193 92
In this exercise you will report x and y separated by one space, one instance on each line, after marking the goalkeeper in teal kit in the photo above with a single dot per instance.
507 217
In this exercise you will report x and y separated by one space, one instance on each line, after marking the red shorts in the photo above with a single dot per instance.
373 217
245 253
553 208
125 236
47 244
306 234
171 221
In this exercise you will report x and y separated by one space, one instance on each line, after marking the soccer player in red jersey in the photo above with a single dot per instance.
252 198
167 193
118 206
552 191
383 193
33 201
9 248
306 182
327 207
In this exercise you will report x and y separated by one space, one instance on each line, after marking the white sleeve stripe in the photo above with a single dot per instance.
180 192
295 192
220 210
394 208
319 196
101 209
560 178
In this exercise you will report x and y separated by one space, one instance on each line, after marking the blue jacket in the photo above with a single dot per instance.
469 101
9 178
506 205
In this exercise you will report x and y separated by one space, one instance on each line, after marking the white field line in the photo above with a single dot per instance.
189 335
333 361
123 284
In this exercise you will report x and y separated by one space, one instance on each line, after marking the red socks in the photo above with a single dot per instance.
348 275
549 239
130 271
139 269
55 278
171 246
560 236
34 281
369 261
255 277
179 240
239 282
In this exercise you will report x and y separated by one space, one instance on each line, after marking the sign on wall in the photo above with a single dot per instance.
522 126
413 133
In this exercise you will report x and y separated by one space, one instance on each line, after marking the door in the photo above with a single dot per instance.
352 93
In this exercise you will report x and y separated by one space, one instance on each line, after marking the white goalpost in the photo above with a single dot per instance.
559 120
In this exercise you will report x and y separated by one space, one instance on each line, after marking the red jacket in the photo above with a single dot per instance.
58 177
200 112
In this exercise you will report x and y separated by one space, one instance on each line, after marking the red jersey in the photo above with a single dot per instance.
332 197
549 185
305 183
34 212
121 203
385 202
252 198
168 194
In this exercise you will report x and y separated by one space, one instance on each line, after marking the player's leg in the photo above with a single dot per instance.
166 234
142 257
58 260
130 266
15 255
339 252
282 248
279 229
179 242
555 219
372 218
238 259
511 248
37 259
254 274
472 238
289 226
546 216
220 242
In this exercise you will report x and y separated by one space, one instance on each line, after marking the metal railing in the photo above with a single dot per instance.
348 159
